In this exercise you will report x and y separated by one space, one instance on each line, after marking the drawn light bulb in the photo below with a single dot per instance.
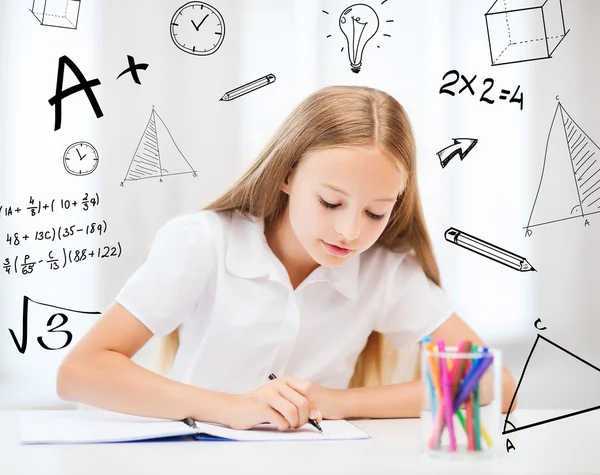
359 23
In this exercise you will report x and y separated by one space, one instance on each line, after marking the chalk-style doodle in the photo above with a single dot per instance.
358 23
84 85
486 249
58 13
80 158
569 185
248 87
504 93
57 312
509 427
524 30
155 157
460 147
197 28
133 67
60 259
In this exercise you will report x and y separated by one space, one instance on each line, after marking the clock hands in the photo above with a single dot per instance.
88 158
205 17
198 27
207 33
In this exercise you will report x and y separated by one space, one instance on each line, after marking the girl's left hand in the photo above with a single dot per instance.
326 401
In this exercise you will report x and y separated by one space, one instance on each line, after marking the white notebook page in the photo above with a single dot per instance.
72 426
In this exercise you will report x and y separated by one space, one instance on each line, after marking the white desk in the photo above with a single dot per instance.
567 446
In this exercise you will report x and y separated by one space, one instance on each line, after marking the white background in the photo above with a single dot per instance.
489 194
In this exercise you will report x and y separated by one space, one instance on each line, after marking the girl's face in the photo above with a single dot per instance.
340 200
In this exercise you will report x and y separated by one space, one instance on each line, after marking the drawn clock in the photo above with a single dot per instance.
197 28
80 158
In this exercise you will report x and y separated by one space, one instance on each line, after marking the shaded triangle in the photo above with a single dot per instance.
146 160
585 156
557 196
157 154
556 369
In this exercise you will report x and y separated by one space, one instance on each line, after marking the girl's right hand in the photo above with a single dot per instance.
275 402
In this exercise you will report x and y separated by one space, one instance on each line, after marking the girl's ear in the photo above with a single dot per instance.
285 186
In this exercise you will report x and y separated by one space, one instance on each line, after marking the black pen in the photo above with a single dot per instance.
313 423
190 422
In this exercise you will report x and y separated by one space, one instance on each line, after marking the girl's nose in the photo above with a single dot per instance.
348 227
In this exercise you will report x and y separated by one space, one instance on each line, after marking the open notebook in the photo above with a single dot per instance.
93 426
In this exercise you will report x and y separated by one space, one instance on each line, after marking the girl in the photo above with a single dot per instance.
316 266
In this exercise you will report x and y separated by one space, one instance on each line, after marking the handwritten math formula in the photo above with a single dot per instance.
36 207
54 233
25 260
53 315
453 77
59 260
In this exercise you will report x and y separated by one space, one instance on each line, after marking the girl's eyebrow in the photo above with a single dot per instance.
334 188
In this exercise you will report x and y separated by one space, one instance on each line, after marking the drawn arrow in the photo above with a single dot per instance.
460 146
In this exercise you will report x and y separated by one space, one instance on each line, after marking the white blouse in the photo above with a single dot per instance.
213 275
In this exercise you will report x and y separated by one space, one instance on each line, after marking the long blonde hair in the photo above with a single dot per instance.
337 116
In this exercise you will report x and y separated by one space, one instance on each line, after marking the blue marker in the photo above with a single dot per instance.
432 398
472 378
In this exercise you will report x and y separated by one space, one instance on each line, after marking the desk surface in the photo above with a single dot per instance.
570 445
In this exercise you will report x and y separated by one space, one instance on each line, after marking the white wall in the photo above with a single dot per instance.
489 194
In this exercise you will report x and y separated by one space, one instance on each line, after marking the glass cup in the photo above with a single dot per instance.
461 400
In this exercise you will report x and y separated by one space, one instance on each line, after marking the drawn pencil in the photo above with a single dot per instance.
248 87
486 249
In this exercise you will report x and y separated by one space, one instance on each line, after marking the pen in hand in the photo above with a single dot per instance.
312 422
190 422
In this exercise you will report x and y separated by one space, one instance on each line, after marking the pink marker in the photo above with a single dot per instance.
438 427
447 395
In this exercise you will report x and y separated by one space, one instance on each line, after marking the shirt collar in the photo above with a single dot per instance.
249 256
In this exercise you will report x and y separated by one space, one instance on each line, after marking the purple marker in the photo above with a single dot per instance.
471 380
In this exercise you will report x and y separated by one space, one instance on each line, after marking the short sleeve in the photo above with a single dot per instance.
413 305
164 291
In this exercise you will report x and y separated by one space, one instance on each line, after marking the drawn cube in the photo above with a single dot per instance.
59 13
524 30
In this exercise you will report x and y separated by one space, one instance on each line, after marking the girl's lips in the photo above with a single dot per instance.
335 250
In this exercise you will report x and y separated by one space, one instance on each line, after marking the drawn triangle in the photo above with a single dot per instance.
556 369
585 156
157 154
557 195
146 160
172 160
